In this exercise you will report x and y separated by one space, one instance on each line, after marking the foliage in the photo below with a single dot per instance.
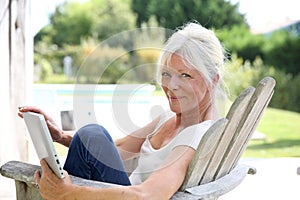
69 23
44 70
43 50
234 70
73 21
281 50
286 94
239 40
57 79
110 17
54 55
101 63
105 63
239 75
171 14
77 29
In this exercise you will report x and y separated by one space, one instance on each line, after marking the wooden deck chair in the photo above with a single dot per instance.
214 170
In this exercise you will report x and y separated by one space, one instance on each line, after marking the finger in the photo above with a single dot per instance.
29 108
20 114
45 167
20 107
66 173
37 177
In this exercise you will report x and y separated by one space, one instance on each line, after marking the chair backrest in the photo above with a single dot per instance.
224 143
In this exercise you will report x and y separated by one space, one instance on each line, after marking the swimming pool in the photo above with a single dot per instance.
119 108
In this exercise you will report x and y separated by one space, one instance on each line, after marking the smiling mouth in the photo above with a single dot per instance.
175 98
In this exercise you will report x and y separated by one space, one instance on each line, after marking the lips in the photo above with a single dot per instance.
175 98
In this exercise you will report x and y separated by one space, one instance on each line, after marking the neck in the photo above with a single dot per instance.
192 117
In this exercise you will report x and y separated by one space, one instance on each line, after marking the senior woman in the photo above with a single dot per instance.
188 71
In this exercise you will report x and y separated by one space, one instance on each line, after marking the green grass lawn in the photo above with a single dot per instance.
282 130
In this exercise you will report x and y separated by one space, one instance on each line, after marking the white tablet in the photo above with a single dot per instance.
42 141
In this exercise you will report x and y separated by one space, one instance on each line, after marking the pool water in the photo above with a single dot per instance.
120 108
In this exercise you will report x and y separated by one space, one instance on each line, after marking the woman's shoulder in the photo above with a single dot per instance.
199 127
192 135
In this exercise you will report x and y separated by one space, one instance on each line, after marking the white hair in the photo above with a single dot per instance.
199 48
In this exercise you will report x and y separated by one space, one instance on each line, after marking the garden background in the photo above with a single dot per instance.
81 30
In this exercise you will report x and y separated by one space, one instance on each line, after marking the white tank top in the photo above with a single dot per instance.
151 159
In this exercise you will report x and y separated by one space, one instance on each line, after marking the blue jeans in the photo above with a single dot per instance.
93 155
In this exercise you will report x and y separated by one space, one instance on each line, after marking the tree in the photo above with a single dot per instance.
73 21
282 51
171 14
239 39
110 17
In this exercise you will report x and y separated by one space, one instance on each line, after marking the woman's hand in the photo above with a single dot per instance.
55 131
50 186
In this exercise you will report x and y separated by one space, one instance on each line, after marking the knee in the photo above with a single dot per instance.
92 132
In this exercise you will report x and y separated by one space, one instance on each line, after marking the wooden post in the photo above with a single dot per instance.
16 56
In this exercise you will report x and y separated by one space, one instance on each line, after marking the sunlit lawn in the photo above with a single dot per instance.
282 130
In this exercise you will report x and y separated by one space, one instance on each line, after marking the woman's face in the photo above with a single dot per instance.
184 86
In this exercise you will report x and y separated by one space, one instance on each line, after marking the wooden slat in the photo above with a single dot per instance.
234 116
247 125
252 131
203 154
221 186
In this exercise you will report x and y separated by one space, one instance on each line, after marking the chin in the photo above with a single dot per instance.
175 110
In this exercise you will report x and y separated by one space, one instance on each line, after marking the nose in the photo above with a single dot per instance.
174 83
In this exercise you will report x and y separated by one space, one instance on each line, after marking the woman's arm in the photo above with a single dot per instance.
155 187
165 182
53 188
66 138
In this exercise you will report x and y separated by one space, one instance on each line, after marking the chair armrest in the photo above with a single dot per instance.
19 171
222 185
24 172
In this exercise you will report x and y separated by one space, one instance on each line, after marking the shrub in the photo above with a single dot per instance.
101 63
45 70
239 40
239 75
286 95
281 50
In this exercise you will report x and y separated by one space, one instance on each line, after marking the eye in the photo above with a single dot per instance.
165 74
185 75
